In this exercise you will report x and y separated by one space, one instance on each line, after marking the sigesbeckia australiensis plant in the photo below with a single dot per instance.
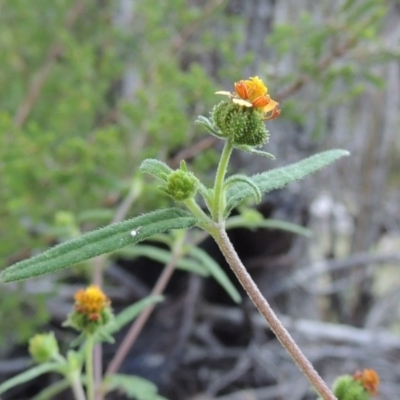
239 120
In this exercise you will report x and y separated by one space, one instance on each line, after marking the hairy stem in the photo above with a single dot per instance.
219 195
76 385
227 249
89 367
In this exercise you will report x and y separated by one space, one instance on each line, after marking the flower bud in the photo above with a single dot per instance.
182 185
360 386
240 125
91 311
43 347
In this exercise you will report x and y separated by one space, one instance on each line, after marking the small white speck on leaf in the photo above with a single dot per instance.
134 232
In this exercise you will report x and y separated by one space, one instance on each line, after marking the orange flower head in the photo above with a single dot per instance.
251 89
91 301
252 93
369 379
91 310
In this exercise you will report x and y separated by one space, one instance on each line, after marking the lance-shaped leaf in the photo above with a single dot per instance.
133 387
100 241
130 313
216 272
241 222
28 375
156 168
280 177
164 257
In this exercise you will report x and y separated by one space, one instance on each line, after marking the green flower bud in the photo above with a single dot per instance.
43 347
346 388
182 185
91 323
240 125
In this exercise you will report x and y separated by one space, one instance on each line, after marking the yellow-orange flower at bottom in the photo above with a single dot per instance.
90 301
91 310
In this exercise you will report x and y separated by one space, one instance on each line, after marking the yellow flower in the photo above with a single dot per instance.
252 92
369 380
91 301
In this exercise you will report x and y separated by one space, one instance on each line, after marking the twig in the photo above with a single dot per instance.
313 330
304 275
321 66
139 323
99 263
266 311
193 151
194 26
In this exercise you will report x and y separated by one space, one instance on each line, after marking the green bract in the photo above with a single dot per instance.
240 125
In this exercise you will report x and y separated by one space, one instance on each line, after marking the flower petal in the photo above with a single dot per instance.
270 106
241 102
241 90
223 92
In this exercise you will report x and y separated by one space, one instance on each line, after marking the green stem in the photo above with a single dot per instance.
77 389
89 367
219 195
196 210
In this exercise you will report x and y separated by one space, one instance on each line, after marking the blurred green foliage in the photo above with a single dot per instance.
71 137
333 55
116 91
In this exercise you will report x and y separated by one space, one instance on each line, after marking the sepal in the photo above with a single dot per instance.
207 124
252 150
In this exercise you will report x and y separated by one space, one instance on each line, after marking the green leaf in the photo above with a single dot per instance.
239 221
235 179
130 313
156 168
163 256
280 177
100 241
28 375
216 272
50 392
133 387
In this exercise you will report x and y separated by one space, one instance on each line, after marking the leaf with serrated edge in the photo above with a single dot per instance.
100 241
